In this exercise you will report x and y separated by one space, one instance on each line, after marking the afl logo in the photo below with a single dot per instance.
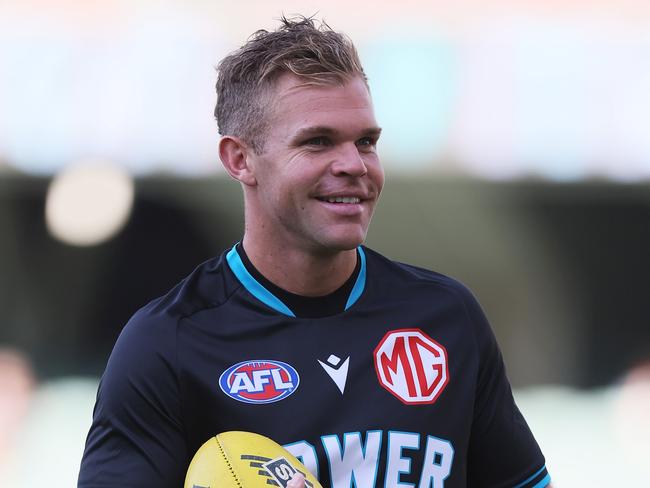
411 366
259 381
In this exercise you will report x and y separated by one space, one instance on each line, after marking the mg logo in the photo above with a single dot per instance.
412 366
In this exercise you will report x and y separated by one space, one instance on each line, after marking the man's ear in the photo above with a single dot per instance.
234 154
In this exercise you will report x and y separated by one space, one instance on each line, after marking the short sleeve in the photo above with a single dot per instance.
136 438
502 450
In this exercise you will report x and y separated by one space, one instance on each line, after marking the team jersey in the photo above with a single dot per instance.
404 387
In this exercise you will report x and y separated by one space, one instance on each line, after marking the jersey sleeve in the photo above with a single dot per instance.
502 450
136 438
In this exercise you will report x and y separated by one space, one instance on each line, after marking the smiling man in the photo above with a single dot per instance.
311 190
373 373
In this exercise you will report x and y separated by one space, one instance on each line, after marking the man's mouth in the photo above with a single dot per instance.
339 199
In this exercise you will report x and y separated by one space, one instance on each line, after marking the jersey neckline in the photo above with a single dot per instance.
260 292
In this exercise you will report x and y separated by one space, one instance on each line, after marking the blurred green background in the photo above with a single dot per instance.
561 269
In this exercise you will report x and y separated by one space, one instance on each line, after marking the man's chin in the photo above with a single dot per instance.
343 243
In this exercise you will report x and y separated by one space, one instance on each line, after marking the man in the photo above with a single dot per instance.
374 373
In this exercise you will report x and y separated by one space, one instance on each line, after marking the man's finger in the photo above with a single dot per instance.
298 481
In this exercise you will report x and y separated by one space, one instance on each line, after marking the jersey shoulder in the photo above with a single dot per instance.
154 326
209 285
397 273
393 279
148 342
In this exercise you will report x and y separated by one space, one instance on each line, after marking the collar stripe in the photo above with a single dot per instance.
256 289
254 286
360 284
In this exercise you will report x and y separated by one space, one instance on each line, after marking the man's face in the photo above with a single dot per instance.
318 175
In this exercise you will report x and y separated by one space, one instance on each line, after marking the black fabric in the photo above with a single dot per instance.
181 370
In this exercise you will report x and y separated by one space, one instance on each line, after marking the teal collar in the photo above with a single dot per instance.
256 289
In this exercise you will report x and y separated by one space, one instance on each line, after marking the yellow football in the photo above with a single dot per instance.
244 460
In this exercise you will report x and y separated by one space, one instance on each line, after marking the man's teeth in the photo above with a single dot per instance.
343 200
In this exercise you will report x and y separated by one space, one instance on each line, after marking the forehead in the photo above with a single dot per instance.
297 104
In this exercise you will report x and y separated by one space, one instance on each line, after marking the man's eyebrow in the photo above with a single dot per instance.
372 132
322 130
318 130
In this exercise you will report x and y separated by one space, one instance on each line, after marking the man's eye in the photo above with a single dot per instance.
366 142
317 141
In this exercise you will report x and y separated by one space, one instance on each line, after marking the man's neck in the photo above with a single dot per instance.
301 272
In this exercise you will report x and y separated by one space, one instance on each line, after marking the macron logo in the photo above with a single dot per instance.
336 370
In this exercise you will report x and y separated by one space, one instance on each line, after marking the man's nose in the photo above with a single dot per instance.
349 161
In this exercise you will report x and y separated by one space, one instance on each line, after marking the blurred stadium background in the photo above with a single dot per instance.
517 148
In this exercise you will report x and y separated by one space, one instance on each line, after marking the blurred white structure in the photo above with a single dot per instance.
499 91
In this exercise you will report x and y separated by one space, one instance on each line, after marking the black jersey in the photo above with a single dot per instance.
405 387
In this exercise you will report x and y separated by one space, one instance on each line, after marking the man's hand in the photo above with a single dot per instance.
298 481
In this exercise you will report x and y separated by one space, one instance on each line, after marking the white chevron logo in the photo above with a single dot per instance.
337 371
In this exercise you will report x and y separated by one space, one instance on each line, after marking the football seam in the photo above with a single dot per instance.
225 457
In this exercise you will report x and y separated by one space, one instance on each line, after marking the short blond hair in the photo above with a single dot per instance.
299 46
